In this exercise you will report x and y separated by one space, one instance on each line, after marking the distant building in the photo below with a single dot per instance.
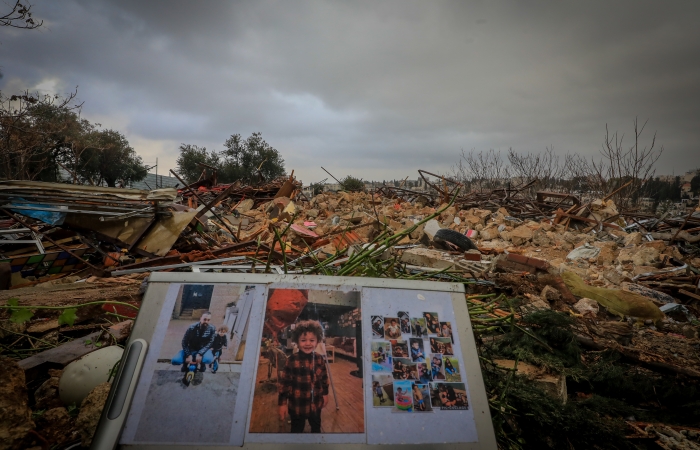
332 187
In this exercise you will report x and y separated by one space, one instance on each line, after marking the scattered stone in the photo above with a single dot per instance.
550 294
90 412
521 235
46 396
426 258
587 307
16 416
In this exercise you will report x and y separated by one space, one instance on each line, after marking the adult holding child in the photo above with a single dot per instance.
196 344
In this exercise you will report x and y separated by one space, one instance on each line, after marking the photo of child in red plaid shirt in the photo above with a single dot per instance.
303 383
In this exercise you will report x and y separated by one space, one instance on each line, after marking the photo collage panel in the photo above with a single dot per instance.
414 366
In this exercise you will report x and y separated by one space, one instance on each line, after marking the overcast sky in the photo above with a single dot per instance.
373 89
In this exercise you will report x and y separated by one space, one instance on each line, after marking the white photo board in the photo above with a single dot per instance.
414 378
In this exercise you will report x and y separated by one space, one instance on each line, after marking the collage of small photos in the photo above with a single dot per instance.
414 368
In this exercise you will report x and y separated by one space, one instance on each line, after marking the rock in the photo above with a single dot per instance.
246 205
639 256
633 239
16 416
473 221
513 221
613 276
90 411
489 233
536 305
10 328
608 252
540 238
55 425
587 307
426 258
504 234
46 396
418 232
550 294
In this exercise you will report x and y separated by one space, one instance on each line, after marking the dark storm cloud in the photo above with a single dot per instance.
376 89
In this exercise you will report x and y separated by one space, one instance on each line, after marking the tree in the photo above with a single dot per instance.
190 158
695 184
110 159
19 16
352 184
250 160
35 130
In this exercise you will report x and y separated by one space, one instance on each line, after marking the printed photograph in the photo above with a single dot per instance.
381 356
417 350
446 330
382 391
441 345
449 396
205 338
437 369
392 329
451 368
421 398
403 396
404 322
377 327
404 369
418 328
399 349
423 372
432 322
309 364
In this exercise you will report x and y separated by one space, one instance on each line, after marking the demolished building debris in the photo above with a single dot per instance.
74 261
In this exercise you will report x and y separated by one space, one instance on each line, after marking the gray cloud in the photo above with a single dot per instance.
377 90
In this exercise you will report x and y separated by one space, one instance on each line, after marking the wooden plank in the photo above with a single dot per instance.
689 294
561 214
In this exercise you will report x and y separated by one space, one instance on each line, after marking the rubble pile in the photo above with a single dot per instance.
571 296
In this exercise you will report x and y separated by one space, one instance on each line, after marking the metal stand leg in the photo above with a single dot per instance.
330 376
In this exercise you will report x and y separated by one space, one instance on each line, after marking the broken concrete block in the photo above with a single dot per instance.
587 307
639 256
521 235
489 233
608 252
14 404
426 258
55 425
245 205
541 239
633 239
90 412
46 396
550 294
418 232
